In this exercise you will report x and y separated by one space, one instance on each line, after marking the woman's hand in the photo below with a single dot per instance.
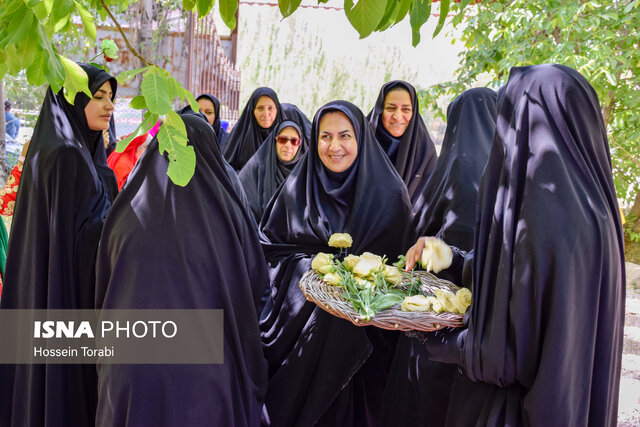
414 254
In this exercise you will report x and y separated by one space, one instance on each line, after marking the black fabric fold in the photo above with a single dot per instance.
322 368
543 341
415 154
66 189
247 135
192 247
449 200
292 112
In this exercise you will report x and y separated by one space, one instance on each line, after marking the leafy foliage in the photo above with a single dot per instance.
594 37
28 29
369 296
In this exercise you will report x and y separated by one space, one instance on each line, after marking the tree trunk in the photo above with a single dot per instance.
186 56
3 138
634 214
606 113
146 23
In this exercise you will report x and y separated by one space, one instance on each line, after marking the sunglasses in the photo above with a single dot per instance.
284 139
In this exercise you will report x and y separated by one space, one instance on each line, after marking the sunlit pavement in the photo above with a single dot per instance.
629 406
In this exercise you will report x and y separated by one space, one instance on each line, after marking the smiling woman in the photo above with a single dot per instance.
337 144
272 164
401 132
323 370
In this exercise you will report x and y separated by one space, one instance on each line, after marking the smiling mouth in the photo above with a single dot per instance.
336 158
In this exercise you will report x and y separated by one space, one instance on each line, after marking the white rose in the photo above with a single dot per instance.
448 300
464 298
351 261
340 240
436 255
392 274
368 264
416 303
332 279
322 263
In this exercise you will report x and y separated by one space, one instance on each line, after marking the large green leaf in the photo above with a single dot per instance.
204 7
87 22
389 15
26 49
22 22
419 15
182 165
76 80
228 12
53 69
41 8
35 71
154 90
172 138
149 121
192 99
174 89
10 16
365 15
176 131
188 4
403 9
177 90
126 75
287 7
60 14
138 103
21 55
444 11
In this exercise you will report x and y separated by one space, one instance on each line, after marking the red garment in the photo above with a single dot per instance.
10 190
122 163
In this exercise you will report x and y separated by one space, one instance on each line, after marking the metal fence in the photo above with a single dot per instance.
209 66
210 69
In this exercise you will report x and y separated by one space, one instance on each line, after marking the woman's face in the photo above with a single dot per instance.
287 144
337 144
207 108
265 111
100 108
397 112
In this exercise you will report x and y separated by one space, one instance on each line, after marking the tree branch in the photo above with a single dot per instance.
625 151
126 40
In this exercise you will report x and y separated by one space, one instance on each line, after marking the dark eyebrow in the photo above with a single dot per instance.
103 91
344 131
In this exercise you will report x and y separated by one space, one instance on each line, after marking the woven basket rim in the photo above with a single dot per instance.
328 298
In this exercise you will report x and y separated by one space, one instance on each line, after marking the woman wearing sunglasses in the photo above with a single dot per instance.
272 164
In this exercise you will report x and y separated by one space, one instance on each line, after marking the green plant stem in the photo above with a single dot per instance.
101 52
126 40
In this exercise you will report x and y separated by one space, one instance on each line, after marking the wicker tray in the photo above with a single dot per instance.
328 298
